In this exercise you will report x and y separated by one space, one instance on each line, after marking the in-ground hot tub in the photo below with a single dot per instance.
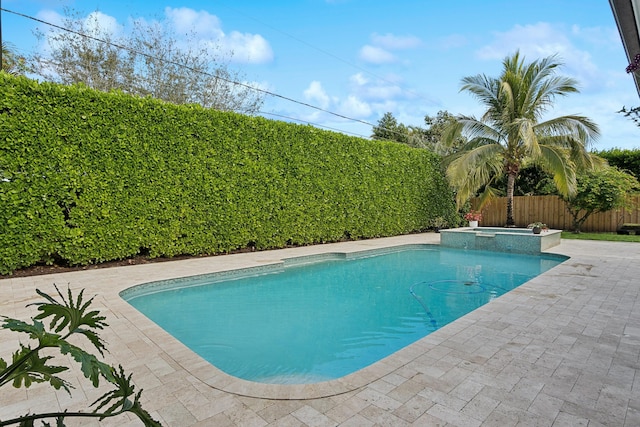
516 240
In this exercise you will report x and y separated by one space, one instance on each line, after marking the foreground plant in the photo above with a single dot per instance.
28 366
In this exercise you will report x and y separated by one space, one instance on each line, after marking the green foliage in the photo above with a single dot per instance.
532 181
435 132
429 137
36 368
388 129
599 191
87 177
28 366
625 160
610 237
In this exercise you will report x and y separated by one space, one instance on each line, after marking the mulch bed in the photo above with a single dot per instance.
42 269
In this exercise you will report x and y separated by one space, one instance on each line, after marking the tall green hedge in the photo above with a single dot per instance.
624 159
87 177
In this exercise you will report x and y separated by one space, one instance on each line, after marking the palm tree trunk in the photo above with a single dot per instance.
511 183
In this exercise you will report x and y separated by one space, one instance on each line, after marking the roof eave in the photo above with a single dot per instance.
625 14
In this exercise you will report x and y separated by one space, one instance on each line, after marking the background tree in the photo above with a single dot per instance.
510 134
632 113
435 130
148 60
389 129
430 137
599 191
532 181
73 58
415 137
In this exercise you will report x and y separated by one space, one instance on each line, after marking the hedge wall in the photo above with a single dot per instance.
624 159
87 177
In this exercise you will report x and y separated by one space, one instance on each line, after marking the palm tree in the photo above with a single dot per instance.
11 62
510 134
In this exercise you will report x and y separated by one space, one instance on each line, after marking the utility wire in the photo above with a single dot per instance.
299 40
311 123
420 144
146 55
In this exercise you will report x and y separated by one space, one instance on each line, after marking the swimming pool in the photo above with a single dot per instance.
316 319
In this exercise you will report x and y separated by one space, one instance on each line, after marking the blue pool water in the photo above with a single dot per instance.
318 321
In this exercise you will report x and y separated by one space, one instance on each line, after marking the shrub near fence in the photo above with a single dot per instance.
87 177
552 211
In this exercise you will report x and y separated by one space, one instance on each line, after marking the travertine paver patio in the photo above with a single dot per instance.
561 350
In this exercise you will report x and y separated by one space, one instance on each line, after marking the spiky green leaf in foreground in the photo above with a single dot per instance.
72 315
119 399
28 366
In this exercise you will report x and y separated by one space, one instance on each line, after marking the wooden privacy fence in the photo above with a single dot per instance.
552 211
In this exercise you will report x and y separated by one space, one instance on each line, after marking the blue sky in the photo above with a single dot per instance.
363 58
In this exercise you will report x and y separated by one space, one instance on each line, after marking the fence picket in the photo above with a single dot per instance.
552 211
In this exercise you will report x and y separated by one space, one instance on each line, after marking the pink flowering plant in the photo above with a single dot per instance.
473 216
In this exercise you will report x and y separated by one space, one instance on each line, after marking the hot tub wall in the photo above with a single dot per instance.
494 239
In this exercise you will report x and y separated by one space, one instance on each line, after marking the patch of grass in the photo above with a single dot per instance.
612 237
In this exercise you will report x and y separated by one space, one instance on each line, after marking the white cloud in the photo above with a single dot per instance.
392 42
542 40
538 40
451 41
365 98
316 93
249 48
96 24
376 55
187 20
358 79
351 106
205 27
605 37
242 47
378 89
50 16
354 108
379 51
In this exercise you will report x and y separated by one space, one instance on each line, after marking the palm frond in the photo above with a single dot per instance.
487 195
582 128
474 129
474 168
482 87
557 162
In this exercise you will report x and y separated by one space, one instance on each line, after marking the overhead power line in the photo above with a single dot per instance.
282 116
146 55
325 52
